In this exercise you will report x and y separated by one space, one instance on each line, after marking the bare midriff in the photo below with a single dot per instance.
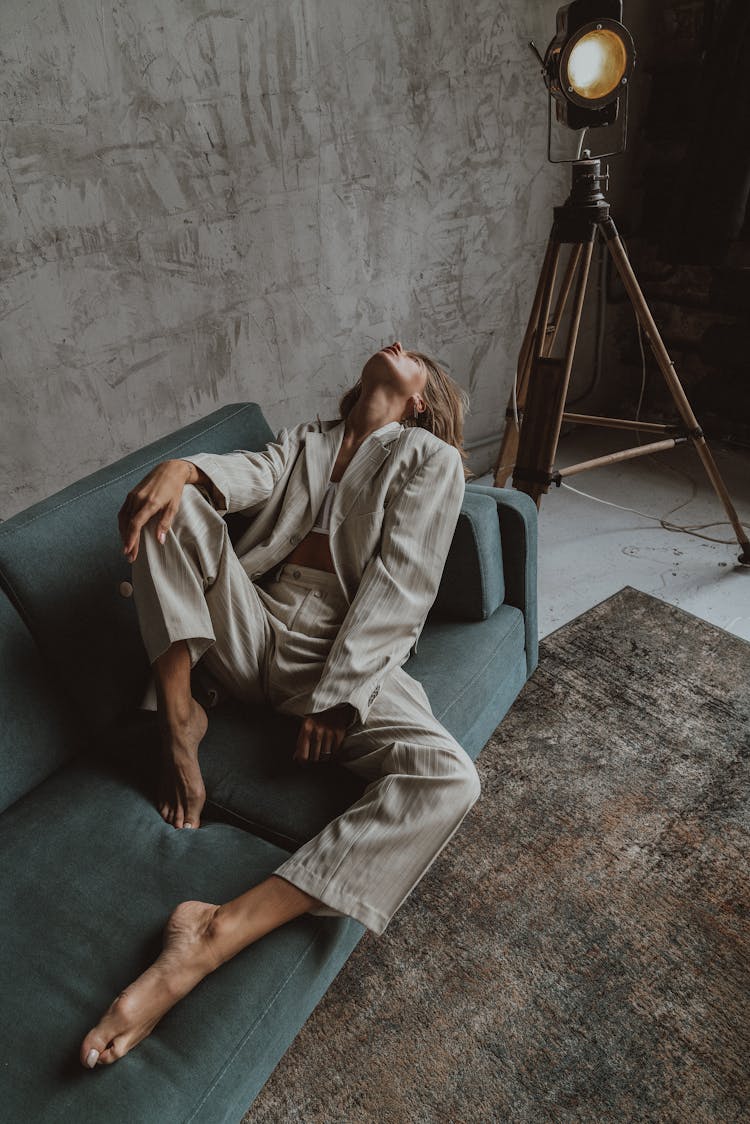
313 551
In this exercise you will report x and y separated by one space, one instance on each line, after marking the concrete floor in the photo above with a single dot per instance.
587 550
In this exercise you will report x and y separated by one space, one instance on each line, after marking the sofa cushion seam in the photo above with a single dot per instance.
251 823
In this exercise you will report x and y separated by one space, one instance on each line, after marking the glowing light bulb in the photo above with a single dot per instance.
596 64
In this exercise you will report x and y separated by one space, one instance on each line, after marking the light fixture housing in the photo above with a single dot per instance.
588 64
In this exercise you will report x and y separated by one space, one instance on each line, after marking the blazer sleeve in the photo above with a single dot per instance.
243 479
398 585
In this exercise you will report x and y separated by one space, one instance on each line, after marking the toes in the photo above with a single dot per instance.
118 1049
91 1048
185 814
193 812
98 1047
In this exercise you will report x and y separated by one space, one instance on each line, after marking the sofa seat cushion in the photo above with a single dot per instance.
90 875
472 672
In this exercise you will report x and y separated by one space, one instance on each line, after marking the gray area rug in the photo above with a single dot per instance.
581 949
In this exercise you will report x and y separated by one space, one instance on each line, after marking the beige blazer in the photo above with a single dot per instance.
392 522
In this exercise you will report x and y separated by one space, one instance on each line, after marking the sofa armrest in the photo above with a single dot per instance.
519 517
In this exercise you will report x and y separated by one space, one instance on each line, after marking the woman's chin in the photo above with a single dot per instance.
380 368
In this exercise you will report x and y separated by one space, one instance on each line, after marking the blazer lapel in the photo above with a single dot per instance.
357 475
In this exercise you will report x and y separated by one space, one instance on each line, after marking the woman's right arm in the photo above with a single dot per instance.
235 481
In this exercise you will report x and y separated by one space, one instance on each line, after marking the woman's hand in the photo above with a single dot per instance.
158 493
320 735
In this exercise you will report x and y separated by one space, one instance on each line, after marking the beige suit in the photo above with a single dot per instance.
306 640
392 523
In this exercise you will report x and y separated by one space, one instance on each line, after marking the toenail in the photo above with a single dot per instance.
187 825
91 1058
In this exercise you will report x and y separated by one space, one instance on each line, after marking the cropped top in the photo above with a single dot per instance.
323 518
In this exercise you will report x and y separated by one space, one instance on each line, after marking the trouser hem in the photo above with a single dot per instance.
320 887
198 644
197 647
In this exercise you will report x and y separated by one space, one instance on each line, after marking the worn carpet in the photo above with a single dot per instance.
581 949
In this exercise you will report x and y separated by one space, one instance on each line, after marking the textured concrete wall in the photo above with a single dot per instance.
206 205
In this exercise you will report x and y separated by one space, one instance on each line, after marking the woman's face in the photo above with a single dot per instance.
396 368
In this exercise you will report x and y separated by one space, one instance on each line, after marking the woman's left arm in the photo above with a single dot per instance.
398 586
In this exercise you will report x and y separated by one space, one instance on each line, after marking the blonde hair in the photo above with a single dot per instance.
446 403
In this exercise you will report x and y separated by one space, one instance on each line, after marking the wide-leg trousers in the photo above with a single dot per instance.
266 642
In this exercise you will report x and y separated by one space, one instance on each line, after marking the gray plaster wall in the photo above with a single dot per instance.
203 205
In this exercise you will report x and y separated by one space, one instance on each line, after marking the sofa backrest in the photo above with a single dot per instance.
39 732
62 567
473 583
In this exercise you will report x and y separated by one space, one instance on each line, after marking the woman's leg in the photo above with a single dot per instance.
203 573
198 938
195 601
363 864
182 724
422 784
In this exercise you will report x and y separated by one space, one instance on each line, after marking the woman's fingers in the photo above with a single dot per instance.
165 522
316 739
134 531
159 493
338 742
326 745
302 749
137 521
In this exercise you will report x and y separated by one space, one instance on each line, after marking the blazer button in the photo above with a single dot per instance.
126 589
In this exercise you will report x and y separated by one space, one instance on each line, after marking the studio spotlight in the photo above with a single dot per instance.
586 68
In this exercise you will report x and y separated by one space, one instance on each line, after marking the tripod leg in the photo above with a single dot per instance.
548 388
666 366
567 281
531 345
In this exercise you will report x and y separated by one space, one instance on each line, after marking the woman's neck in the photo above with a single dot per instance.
369 413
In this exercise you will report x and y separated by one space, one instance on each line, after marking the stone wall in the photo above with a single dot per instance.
205 205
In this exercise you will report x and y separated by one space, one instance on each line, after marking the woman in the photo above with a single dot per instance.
368 505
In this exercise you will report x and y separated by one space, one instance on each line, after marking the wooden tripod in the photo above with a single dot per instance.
542 381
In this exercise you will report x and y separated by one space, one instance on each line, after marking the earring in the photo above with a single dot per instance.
416 411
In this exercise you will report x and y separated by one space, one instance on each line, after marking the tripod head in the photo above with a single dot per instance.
586 207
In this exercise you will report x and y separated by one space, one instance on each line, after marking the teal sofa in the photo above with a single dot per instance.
91 871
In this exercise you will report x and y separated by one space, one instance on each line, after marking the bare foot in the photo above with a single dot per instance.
182 793
187 957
